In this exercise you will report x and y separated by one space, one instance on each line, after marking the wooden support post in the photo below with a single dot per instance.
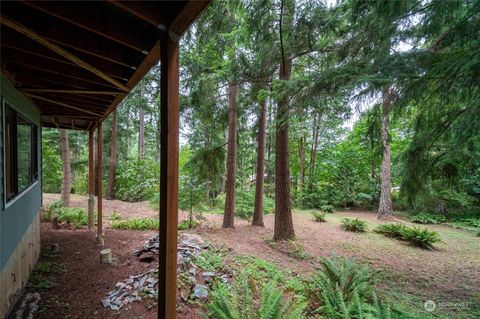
169 131
91 199
99 184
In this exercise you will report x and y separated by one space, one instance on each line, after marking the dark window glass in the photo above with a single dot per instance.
21 151
24 153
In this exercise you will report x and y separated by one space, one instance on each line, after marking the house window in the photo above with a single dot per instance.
21 153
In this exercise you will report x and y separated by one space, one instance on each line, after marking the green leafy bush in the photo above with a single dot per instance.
319 216
74 215
239 302
427 218
423 238
140 223
327 209
394 230
136 180
354 225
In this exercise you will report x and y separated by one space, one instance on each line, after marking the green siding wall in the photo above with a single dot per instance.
15 217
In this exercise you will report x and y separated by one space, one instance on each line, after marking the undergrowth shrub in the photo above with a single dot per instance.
138 223
427 218
327 209
423 238
354 225
74 215
394 230
343 289
244 204
240 302
319 216
210 260
186 224
136 180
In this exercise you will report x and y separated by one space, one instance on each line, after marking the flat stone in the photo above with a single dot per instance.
200 291
106 302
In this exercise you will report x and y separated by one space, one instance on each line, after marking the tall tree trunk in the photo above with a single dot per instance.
229 214
385 210
260 176
66 185
141 130
283 206
268 169
313 153
224 174
301 167
283 229
113 158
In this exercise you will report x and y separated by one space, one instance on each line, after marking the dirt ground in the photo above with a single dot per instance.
449 274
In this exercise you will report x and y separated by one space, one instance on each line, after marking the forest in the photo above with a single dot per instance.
294 106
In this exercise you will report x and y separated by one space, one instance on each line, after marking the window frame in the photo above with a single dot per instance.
34 161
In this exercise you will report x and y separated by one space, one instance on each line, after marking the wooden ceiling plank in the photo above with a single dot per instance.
50 70
79 102
21 55
41 98
72 91
34 36
123 32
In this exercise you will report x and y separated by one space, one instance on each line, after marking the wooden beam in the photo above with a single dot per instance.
169 138
91 180
84 44
99 184
79 117
187 16
62 104
68 75
100 21
60 65
153 17
143 68
54 122
72 91
55 48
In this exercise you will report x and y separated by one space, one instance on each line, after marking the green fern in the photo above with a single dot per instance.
343 290
423 238
354 225
394 230
237 302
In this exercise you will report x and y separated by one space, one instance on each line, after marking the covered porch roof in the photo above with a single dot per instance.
76 61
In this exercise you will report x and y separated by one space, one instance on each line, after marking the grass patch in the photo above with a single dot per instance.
185 224
43 275
139 223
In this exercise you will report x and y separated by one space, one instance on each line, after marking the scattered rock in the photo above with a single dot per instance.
200 291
